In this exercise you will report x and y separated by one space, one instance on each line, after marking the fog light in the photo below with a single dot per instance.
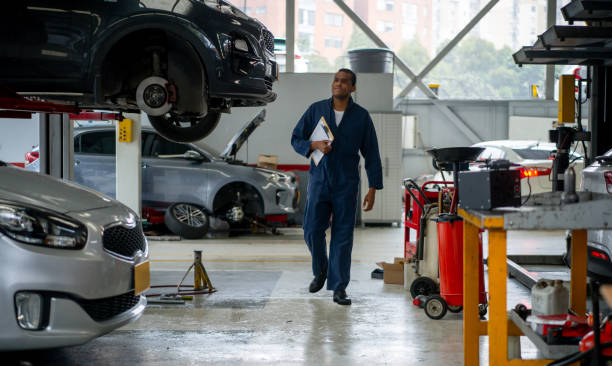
29 310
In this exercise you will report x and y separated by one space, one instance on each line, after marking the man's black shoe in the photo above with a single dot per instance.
318 282
341 298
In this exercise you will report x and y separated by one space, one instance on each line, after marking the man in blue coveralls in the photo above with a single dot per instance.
334 183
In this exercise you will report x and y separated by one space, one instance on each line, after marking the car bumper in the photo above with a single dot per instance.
87 292
68 325
281 199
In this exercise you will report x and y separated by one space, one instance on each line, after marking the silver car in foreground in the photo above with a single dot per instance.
73 262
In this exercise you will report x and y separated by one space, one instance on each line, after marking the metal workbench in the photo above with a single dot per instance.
543 212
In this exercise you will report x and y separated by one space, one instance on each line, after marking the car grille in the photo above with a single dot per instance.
268 40
123 241
104 309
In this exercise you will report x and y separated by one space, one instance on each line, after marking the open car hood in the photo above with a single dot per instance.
238 140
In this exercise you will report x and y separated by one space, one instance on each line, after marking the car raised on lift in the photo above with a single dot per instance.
182 62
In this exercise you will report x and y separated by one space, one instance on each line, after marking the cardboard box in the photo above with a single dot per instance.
394 272
267 161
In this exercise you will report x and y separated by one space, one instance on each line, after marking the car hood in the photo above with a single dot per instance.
18 185
238 140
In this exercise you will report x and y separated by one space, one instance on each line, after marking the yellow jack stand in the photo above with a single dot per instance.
200 278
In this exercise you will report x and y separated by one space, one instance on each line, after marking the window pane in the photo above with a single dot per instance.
537 154
481 65
270 12
77 144
102 142
162 146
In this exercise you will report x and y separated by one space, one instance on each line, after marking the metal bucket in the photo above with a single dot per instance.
371 60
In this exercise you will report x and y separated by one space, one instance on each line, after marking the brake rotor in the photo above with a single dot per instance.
154 96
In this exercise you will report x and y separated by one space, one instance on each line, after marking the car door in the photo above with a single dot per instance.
167 177
45 44
94 160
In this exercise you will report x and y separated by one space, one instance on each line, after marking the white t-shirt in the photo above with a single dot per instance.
339 115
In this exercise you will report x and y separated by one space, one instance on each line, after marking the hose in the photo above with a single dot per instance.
200 292
574 357
413 183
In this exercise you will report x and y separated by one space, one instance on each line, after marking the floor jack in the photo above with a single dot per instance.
201 280
201 285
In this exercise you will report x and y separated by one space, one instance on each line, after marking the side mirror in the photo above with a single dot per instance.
193 155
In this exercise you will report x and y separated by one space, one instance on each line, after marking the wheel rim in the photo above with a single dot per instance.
434 307
422 289
190 215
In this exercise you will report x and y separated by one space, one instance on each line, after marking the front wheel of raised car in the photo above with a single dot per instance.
187 220
185 128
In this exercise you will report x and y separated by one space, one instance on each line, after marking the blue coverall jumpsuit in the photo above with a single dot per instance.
333 185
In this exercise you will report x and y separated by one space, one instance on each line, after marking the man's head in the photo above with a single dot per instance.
344 83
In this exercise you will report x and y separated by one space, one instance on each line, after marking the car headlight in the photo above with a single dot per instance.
44 228
274 177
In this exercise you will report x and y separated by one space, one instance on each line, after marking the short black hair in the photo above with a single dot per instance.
353 76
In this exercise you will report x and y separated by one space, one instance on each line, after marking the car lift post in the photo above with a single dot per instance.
129 167
56 147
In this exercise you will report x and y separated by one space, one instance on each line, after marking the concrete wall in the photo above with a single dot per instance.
491 120
17 137
296 92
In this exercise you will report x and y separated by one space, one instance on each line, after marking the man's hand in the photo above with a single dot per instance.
322 145
368 202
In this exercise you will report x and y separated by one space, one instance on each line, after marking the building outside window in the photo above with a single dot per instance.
386 5
261 10
409 13
409 30
306 17
333 19
383 26
333 42
305 42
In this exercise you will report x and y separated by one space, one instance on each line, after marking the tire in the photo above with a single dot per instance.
185 129
187 220
435 307
423 286
455 309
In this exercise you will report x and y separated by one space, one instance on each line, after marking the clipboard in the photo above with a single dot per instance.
320 133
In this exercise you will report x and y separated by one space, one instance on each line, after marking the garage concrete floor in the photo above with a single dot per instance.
263 313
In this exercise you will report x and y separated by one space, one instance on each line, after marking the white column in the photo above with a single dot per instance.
128 163
290 35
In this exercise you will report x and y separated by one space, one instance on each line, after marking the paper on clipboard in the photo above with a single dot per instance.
320 133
